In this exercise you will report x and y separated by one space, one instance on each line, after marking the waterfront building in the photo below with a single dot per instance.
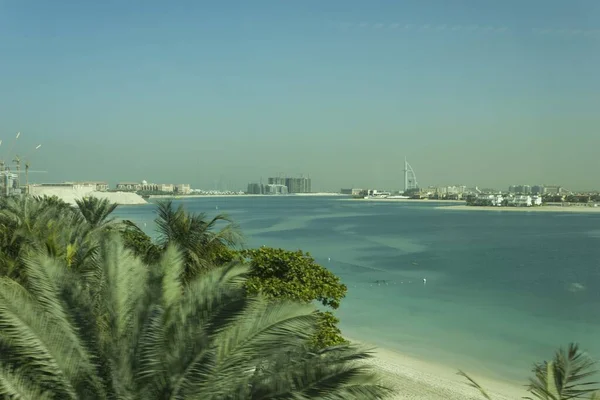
276 189
182 188
129 186
99 186
537 189
294 185
256 188
553 189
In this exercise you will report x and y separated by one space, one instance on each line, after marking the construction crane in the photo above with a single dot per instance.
13 173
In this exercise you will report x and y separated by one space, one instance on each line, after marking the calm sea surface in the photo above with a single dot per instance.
503 289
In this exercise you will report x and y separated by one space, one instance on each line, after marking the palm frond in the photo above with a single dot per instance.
35 339
96 211
338 373
565 377
475 385
16 384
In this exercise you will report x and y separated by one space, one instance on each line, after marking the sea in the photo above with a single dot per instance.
487 292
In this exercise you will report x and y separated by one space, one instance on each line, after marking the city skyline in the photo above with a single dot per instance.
474 93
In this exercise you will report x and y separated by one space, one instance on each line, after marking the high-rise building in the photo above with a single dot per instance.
277 181
294 185
553 190
276 189
256 188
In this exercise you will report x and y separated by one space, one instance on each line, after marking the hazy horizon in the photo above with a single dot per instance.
474 93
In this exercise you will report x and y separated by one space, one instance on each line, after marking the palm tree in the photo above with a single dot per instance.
125 330
33 224
96 211
196 236
563 378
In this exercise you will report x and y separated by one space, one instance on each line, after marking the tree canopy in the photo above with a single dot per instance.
294 275
129 330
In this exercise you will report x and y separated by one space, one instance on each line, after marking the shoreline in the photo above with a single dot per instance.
197 196
415 379
408 200
563 209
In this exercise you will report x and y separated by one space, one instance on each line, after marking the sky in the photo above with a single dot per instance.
222 93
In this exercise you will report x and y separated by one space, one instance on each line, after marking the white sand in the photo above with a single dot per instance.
70 195
122 198
419 380
410 200
575 209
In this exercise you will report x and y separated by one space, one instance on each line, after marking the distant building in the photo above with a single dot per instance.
129 186
537 189
83 188
166 187
294 185
182 188
298 185
276 181
276 189
519 189
99 186
256 188
553 189
353 192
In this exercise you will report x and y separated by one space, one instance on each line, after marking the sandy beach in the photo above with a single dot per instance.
410 200
414 379
565 209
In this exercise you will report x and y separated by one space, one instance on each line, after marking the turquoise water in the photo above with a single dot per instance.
503 289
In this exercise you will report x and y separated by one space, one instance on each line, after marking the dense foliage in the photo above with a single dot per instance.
275 273
128 330
294 275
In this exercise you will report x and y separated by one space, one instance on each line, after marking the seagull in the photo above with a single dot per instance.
424 281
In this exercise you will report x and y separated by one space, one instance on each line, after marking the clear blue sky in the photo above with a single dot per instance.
474 92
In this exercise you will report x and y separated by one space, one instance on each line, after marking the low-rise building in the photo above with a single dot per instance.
166 187
182 188
519 201
129 186
99 186
495 200
353 191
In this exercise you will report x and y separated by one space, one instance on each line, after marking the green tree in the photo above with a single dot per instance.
37 224
294 275
565 377
127 330
136 240
200 239
96 211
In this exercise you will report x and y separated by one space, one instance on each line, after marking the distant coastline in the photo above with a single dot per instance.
409 200
193 196
572 209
